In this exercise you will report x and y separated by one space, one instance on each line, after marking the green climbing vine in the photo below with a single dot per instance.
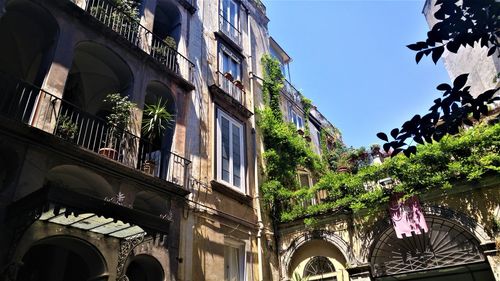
467 156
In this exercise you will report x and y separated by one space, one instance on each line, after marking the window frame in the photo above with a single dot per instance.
232 121
242 247
236 24
295 121
232 56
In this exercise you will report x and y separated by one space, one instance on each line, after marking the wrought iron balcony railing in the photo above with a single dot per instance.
229 30
231 88
289 90
29 104
132 31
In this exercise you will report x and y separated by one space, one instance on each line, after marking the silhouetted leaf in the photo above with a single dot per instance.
460 81
453 47
443 87
395 132
412 149
419 56
382 136
436 53
396 152
407 153
386 147
491 51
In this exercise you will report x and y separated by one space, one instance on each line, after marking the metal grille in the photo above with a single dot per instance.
446 244
318 266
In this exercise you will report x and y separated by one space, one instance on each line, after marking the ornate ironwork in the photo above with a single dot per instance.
126 247
318 265
446 244
23 222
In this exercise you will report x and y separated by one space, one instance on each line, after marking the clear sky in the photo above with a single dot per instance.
350 58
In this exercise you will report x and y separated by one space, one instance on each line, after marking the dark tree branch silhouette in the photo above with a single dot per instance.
461 24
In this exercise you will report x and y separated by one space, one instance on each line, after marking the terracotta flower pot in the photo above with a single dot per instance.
300 131
308 138
149 167
229 76
109 153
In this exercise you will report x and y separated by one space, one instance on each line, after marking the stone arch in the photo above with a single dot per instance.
167 20
81 180
144 267
96 71
75 258
9 165
152 203
29 35
448 229
158 149
329 244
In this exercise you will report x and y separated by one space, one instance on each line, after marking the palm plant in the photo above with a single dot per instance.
155 121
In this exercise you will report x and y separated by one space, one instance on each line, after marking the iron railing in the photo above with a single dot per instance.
131 30
289 90
230 87
37 108
229 30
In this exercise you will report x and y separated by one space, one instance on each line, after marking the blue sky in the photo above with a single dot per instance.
350 58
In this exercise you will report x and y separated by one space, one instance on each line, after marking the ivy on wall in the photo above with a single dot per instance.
467 156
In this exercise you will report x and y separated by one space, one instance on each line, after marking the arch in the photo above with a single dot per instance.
151 202
324 243
9 165
447 243
81 180
68 257
95 72
29 35
167 21
318 265
145 268
159 152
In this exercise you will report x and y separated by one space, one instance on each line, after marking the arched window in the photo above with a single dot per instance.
446 244
318 266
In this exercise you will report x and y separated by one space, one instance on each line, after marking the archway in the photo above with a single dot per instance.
62 258
318 259
95 72
81 180
168 21
446 252
159 147
144 268
29 35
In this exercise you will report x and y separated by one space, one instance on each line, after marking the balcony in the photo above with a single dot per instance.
129 29
23 102
230 31
231 93
291 93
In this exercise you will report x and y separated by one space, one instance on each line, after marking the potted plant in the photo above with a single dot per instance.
118 120
238 84
66 128
308 138
229 76
300 131
156 119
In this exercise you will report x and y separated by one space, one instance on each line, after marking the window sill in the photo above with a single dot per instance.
231 192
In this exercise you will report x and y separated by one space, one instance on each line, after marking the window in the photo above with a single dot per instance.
320 268
229 63
295 118
229 20
234 260
305 180
230 161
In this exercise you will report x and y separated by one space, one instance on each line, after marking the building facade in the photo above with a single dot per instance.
87 193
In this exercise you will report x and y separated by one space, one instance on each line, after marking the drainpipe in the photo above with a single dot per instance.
256 177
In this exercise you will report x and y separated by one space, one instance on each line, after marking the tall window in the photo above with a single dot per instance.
229 63
295 118
229 20
230 160
234 261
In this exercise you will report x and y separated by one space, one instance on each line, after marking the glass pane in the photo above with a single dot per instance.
231 263
236 157
304 180
225 148
233 12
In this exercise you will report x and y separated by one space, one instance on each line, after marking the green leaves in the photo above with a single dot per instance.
156 119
